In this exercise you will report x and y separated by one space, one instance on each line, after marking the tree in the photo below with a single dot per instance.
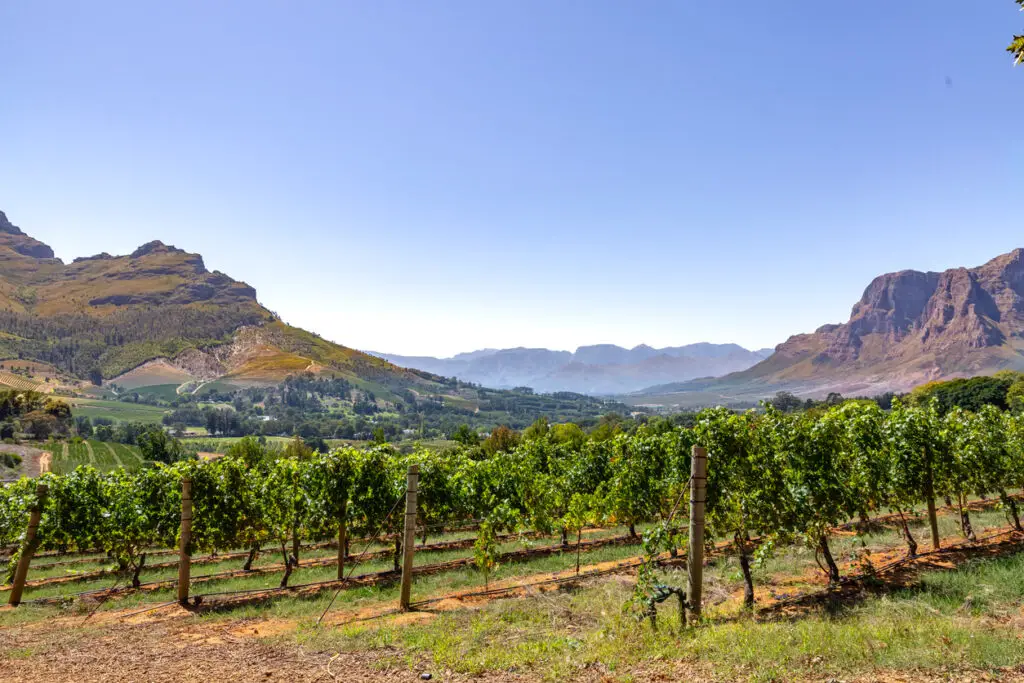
1016 47
503 438
297 450
157 445
969 394
40 424
83 426
538 430
568 433
465 435
1015 395
607 427
249 450
786 402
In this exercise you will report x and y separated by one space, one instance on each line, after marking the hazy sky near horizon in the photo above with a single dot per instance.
440 176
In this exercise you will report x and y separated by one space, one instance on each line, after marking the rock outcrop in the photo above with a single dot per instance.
12 237
159 316
155 274
910 314
907 328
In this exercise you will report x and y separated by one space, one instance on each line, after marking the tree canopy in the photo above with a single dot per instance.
1016 48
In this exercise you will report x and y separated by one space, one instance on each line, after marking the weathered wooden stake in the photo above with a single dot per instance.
410 534
184 552
29 548
695 556
929 497
342 532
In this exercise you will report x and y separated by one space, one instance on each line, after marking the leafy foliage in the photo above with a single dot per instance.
1016 47
771 474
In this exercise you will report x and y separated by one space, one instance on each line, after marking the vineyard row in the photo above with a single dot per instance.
770 475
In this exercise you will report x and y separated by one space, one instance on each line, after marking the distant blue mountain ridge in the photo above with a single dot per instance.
600 369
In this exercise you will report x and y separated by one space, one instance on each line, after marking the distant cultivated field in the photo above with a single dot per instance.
218 386
269 366
101 455
154 373
117 410
35 368
208 444
166 392
18 382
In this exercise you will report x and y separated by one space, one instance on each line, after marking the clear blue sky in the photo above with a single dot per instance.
433 177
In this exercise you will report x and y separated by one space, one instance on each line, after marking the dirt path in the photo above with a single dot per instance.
183 647
175 644
30 458
174 650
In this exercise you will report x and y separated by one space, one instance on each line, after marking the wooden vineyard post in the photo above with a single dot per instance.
410 534
929 497
185 539
341 541
29 548
695 556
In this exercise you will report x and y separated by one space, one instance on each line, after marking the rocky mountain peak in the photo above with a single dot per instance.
914 316
7 226
155 274
12 237
156 246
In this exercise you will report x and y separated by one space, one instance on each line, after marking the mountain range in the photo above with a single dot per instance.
907 328
158 316
597 370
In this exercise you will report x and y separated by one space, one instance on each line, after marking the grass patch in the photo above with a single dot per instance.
164 392
939 625
118 411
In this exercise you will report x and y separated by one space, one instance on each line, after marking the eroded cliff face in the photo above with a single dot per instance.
913 314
